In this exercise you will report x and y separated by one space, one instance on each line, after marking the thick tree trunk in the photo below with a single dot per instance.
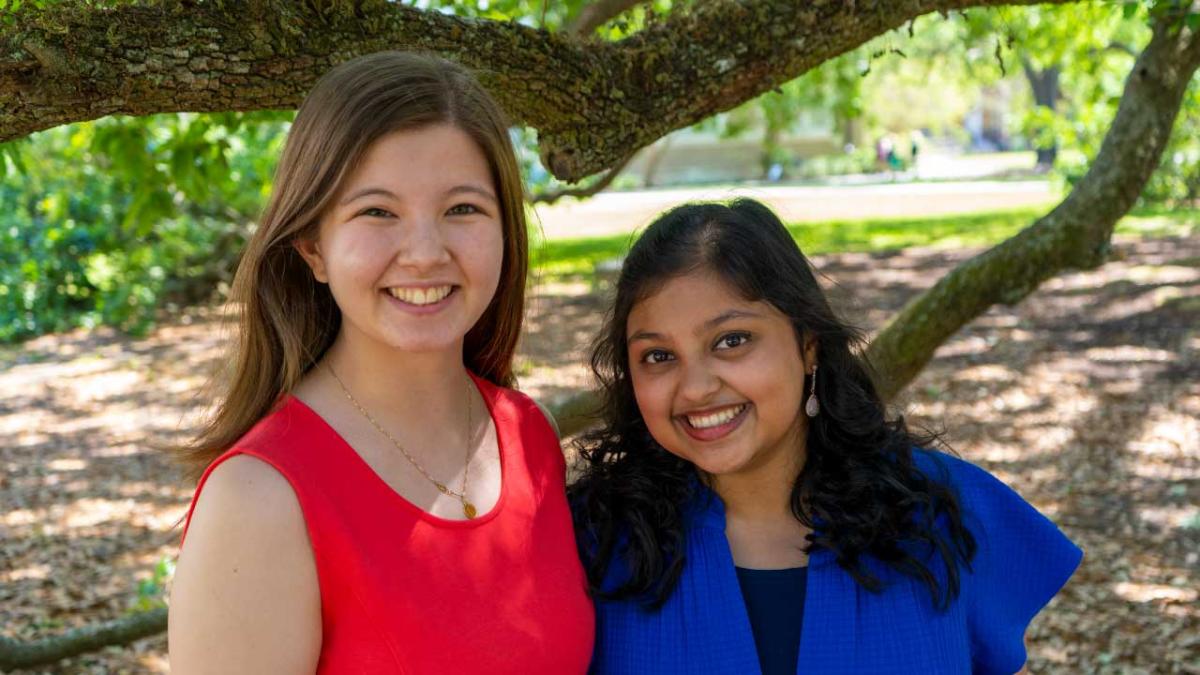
1044 85
1075 235
593 103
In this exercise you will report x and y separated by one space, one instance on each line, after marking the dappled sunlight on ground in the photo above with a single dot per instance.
1095 421
1085 398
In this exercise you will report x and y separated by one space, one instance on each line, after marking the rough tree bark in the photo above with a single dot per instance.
593 103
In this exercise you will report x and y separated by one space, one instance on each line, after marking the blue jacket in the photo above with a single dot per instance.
1021 561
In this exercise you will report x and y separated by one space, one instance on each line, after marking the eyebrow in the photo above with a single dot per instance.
729 316
383 192
644 335
707 325
473 189
366 192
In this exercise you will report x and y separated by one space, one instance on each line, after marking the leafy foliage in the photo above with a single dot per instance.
1093 44
107 221
152 592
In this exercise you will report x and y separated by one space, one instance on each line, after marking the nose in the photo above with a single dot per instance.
423 245
699 384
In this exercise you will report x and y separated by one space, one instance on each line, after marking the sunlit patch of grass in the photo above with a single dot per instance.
570 257
1160 222
873 235
560 258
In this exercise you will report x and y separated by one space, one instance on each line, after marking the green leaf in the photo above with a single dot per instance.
164 569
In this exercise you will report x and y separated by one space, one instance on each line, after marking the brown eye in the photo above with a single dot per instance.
656 356
375 212
463 210
732 340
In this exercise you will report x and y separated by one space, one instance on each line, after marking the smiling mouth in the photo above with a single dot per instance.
421 297
716 419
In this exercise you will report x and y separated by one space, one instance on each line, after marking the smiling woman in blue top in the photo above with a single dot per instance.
748 507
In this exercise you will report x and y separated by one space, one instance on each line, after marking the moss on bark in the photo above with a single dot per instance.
592 102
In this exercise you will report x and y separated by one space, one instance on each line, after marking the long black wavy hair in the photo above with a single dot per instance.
859 481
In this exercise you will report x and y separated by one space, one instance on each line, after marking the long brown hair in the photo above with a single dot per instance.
286 320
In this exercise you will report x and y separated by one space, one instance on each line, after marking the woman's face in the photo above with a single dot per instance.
719 379
412 246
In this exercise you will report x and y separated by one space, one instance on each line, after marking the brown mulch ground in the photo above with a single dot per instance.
1085 398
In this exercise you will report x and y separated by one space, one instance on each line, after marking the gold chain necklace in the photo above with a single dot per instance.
467 507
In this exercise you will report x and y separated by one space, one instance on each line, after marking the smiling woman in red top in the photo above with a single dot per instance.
372 498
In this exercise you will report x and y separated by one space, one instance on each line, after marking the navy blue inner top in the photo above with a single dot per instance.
775 603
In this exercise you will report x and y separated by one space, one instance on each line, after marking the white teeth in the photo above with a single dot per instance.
420 296
715 419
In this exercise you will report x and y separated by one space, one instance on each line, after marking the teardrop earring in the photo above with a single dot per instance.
813 407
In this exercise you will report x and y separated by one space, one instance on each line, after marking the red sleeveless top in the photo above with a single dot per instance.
403 591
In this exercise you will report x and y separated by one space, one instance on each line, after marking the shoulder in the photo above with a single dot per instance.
987 505
958 474
1021 559
244 509
529 410
250 486
246 577
549 418
288 424
1005 526
942 467
983 496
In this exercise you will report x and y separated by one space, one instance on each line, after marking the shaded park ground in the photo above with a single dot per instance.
1085 398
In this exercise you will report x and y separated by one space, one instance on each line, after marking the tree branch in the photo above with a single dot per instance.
598 13
593 103
1075 235
580 192
74 60
14 654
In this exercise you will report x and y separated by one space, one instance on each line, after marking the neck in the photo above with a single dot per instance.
416 387
763 493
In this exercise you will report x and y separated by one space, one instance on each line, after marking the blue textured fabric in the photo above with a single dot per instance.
775 605
1022 560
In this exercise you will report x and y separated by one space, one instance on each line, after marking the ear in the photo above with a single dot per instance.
809 352
310 250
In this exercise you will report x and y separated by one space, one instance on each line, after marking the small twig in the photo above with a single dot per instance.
596 14
552 196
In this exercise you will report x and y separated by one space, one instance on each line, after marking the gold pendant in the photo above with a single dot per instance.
468 509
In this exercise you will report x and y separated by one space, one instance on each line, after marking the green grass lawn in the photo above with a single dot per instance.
577 257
